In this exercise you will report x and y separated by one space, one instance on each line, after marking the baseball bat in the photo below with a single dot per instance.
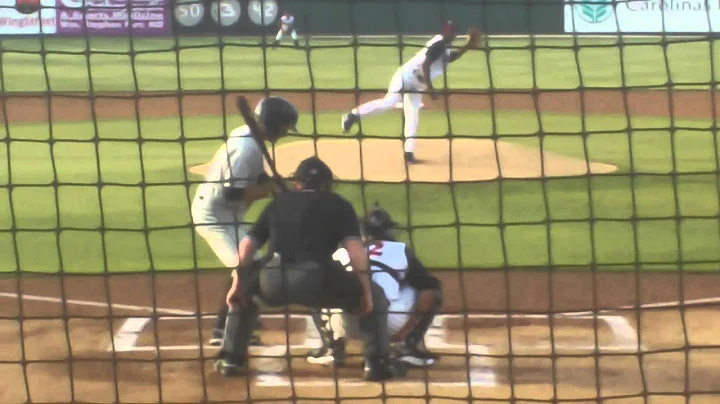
258 134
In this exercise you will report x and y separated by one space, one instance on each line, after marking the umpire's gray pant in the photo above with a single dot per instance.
311 285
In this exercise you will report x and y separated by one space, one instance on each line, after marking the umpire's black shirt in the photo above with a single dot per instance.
306 225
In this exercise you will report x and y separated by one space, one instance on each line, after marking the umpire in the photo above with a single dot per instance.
304 228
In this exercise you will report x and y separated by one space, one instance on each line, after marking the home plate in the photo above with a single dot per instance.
478 378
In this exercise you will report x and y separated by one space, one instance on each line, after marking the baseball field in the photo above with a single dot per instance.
549 212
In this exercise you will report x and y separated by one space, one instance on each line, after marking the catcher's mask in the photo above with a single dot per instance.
313 173
276 113
378 224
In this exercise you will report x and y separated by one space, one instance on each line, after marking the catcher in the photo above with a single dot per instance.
286 27
413 79
415 297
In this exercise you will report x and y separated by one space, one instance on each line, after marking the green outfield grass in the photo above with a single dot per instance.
514 223
200 64
543 222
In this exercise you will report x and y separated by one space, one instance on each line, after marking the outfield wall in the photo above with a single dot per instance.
261 17
140 18
424 17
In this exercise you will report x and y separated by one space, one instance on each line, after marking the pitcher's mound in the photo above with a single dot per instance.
472 160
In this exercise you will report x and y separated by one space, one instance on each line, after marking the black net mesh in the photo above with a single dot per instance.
566 194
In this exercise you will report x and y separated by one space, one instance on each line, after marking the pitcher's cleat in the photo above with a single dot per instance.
348 121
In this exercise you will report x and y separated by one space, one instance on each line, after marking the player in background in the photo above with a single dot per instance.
411 80
287 22
235 179
415 297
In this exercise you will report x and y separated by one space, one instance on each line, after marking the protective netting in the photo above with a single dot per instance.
566 194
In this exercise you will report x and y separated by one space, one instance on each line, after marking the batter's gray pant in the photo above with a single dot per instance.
311 285
220 223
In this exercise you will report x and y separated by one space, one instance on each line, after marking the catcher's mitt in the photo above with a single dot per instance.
475 38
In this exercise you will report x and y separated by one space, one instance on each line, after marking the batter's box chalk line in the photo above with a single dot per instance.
126 338
481 373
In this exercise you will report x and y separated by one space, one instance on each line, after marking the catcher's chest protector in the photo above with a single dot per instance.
389 254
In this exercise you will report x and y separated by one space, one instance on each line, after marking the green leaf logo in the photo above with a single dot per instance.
593 11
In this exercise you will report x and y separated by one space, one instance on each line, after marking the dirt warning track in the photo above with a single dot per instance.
38 107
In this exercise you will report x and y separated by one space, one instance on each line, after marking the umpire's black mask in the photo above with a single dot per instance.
314 174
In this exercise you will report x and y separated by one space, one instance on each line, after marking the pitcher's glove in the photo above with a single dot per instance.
476 39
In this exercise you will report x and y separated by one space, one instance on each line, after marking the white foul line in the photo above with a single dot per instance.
97 304
186 313
126 338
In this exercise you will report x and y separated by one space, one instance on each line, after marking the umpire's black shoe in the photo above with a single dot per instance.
380 369
227 367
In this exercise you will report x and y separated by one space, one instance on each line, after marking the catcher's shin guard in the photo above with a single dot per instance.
321 321
417 335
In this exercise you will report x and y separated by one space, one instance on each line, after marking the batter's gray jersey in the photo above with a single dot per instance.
238 163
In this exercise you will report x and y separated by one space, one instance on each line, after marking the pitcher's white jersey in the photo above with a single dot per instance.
437 68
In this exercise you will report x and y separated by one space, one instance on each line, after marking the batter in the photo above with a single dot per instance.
235 179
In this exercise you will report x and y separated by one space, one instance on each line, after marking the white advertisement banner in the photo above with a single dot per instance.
642 16
13 22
